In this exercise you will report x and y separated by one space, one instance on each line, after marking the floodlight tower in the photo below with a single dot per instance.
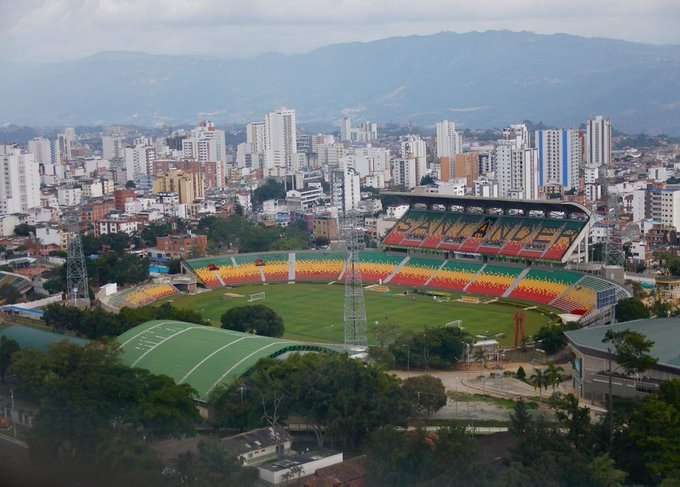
356 338
77 290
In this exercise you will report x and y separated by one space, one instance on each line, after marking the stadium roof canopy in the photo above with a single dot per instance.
201 356
28 337
567 207
665 333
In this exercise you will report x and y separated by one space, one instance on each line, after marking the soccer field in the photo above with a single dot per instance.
314 312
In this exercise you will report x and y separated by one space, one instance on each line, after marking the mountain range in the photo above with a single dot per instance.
478 79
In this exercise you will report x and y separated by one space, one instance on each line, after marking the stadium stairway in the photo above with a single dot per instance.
233 261
291 266
396 269
219 278
474 278
429 280
263 278
515 283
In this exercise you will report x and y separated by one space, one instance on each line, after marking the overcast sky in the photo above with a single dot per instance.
65 29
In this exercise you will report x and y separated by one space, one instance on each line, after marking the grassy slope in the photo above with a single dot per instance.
314 311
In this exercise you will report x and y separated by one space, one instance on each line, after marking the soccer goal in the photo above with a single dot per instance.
455 323
256 297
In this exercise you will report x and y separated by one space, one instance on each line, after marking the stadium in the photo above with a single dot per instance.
504 249
447 259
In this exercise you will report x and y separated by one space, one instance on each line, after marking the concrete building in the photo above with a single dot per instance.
345 189
116 224
599 141
139 159
113 147
182 246
559 157
413 147
280 139
592 356
465 166
206 143
41 148
69 195
19 180
663 205
516 171
404 173
189 186
449 141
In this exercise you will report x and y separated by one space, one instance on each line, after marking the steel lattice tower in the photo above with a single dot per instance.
77 290
355 308
613 246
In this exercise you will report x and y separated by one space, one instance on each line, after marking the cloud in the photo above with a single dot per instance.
66 28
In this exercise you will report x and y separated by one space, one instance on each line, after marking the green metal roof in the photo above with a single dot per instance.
664 332
28 337
201 356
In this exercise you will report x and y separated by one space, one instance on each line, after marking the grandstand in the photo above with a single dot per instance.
542 286
536 230
141 295
318 267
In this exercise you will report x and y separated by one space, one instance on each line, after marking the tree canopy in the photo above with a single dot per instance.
630 309
343 400
257 318
435 348
269 190
94 410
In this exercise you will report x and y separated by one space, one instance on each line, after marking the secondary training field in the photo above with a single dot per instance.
314 312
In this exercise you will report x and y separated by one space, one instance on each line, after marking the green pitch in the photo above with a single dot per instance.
313 312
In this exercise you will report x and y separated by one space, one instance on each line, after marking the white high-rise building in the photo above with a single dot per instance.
255 137
413 147
41 148
113 147
345 189
206 143
516 170
559 157
280 142
139 159
449 141
404 173
517 133
19 180
346 129
599 141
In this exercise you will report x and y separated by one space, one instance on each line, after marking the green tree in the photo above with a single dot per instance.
427 393
551 337
427 180
521 373
554 375
24 230
436 348
341 399
629 309
385 333
539 379
257 318
269 190
8 348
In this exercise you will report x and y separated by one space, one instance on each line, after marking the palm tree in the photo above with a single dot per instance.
539 380
479 356
555 375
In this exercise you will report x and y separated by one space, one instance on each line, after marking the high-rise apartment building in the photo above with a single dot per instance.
19 180
280 139
413 147
346 129
189 186
466 166
113 147
41 148
206 143
663 205
559 157
345 189
404 173
599 141
139 159
516 170
449 141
